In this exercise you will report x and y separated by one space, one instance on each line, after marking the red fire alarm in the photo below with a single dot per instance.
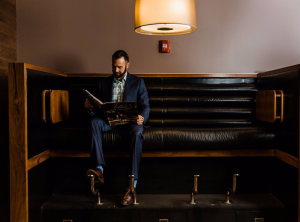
164 46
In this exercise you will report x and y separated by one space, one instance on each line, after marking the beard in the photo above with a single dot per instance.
120 75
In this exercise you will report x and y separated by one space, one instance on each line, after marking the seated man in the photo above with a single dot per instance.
119 87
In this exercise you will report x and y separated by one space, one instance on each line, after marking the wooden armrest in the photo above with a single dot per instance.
55 105
266 105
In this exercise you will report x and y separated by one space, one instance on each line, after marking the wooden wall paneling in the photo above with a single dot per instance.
4 64
8 29
8 12
8 41
18 143
6 52
12 1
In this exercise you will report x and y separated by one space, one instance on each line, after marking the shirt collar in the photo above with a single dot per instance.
123 80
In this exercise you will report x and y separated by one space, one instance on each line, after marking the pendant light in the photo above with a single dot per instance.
165 17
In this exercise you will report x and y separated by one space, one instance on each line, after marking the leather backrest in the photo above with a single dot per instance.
184 101
201 101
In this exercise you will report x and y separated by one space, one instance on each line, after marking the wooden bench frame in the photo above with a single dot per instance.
18 141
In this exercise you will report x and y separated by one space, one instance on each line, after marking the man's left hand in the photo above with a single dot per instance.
138 120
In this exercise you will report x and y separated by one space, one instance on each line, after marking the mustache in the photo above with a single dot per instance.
120 73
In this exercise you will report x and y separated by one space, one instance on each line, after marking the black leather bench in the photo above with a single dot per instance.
186 114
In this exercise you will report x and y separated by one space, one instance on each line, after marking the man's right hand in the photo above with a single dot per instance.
88 105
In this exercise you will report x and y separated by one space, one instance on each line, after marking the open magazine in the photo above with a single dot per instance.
116 113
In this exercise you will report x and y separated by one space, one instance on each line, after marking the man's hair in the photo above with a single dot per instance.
120 53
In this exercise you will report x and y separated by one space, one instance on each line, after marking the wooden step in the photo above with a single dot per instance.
174 208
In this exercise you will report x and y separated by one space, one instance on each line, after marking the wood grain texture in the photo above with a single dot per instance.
277 71
187 153
293 161
45 106
42 69
266 106
6 60
8 41
18 143
59 106
209 153
279 93
11 1
8 12
4 63
36 160
8 30
55 106
7 52
200 75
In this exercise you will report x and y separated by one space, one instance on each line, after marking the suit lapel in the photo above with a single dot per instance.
127 86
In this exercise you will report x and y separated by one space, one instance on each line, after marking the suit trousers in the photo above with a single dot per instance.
133 137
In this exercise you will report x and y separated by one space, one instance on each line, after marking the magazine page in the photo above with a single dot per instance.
92 98
119 113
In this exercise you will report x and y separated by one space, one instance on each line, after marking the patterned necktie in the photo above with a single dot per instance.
119 92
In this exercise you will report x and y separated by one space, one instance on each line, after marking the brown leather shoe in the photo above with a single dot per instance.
127 197
98 175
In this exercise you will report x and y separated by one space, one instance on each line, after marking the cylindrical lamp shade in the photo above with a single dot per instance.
165 17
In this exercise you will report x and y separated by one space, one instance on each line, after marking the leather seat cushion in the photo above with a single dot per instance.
172 138
219 138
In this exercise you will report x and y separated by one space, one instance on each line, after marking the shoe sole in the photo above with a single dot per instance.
126 204
97 180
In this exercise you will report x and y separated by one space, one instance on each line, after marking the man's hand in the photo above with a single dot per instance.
88 105
138 120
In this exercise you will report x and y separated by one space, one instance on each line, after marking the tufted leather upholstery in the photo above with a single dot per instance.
186 114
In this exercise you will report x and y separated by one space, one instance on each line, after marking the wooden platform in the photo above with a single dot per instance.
171 207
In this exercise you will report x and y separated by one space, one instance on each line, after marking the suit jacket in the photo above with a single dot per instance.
135 90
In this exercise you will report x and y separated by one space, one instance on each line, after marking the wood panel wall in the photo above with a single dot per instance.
8 53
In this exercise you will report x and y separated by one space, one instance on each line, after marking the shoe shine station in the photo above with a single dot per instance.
221 148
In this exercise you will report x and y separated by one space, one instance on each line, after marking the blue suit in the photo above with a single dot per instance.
135 90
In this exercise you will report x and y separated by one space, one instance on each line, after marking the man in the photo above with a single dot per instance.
119 87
